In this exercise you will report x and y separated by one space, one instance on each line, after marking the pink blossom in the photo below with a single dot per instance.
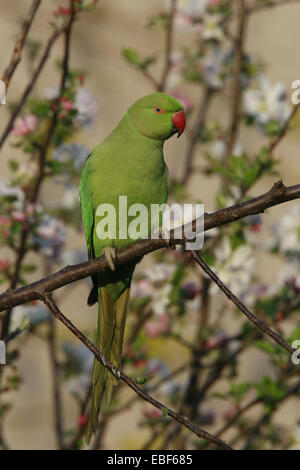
255 228
218 341
61 11
142 288
83 421
5 224
67 104
25 125
186 102
155 327
151 412
4 265
230 412
140 363
30 209
18 216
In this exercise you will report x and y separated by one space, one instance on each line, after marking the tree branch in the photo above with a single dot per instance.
256 321
47 299
29 86
278 194
200 119
237 82
169 44
16 56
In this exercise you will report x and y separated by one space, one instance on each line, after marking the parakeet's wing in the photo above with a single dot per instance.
86 202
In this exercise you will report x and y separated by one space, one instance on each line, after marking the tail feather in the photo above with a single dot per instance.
110 335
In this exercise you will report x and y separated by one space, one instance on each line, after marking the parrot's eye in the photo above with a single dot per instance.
159 110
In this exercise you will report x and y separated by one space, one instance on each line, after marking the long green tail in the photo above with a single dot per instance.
111 326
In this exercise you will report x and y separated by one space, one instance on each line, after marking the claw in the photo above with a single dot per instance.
110 254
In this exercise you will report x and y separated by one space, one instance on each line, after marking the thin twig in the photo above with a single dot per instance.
21 252
29 86
237 82
44 148
202 113
256 321
283 131
16 56
169 45
47 299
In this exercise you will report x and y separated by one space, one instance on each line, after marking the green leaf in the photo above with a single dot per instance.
13 165
295 335
141 380
270 392
131 55
239 390
28 268
264 346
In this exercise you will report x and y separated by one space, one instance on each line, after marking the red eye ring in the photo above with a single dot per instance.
158 110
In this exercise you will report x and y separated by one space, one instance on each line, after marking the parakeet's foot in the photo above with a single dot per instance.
110 254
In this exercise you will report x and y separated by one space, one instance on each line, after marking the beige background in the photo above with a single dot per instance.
97 40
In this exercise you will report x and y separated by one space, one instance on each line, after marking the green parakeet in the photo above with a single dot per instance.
129 162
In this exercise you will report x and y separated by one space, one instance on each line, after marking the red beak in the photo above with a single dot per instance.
178 120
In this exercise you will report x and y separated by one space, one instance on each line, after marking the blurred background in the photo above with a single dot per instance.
112 84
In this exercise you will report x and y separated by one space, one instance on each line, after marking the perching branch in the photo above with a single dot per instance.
165 410
16 56
278 194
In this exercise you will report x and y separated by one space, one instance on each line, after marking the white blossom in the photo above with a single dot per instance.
161 299
51 236
268 103
87 107
286 233
235 268
25 316
160 272
211 27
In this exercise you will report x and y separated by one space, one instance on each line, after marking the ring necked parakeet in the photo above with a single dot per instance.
129 162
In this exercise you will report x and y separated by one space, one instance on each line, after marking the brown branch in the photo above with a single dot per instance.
16 56
283 131
256 321
237 82
238 414
44 148
47 299
29 86
21 252
57 402
278 194
169 45
203 108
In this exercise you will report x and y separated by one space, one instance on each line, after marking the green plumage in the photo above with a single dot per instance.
128 163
